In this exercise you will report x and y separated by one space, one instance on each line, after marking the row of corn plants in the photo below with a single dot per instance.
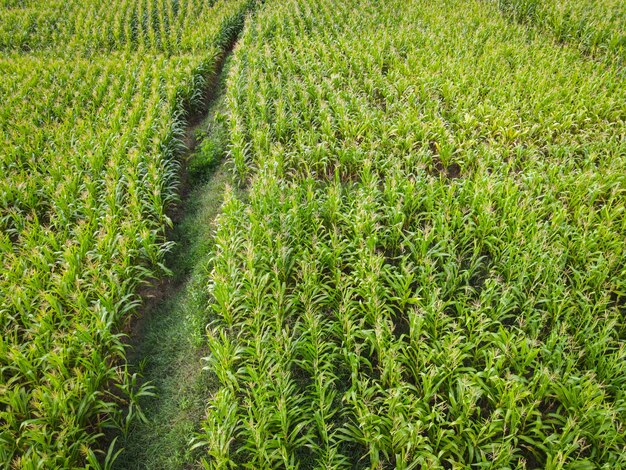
165 26
598 28
428 268
88 167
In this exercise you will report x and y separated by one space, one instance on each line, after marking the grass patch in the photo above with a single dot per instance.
169 344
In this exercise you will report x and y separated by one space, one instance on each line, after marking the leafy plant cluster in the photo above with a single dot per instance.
428 268
88 167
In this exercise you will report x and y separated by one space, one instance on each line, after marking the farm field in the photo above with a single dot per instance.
429 269
597 28
419 260
92 121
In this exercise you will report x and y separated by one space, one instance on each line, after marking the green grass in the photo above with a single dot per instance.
169 342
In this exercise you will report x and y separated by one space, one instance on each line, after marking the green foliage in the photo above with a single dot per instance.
209 152
598 28
428 269
171 342
94 100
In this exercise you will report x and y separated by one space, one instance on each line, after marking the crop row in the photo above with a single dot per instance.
164 26
88 167
428 269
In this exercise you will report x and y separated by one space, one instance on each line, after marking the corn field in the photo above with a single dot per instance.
422 260
596 28
428 270
94 98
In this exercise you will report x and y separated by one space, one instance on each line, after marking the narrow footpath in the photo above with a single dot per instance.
168 342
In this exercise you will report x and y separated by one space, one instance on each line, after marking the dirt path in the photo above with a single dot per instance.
168 342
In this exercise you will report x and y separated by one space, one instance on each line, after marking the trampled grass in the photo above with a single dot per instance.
170 344
94 101
428 271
